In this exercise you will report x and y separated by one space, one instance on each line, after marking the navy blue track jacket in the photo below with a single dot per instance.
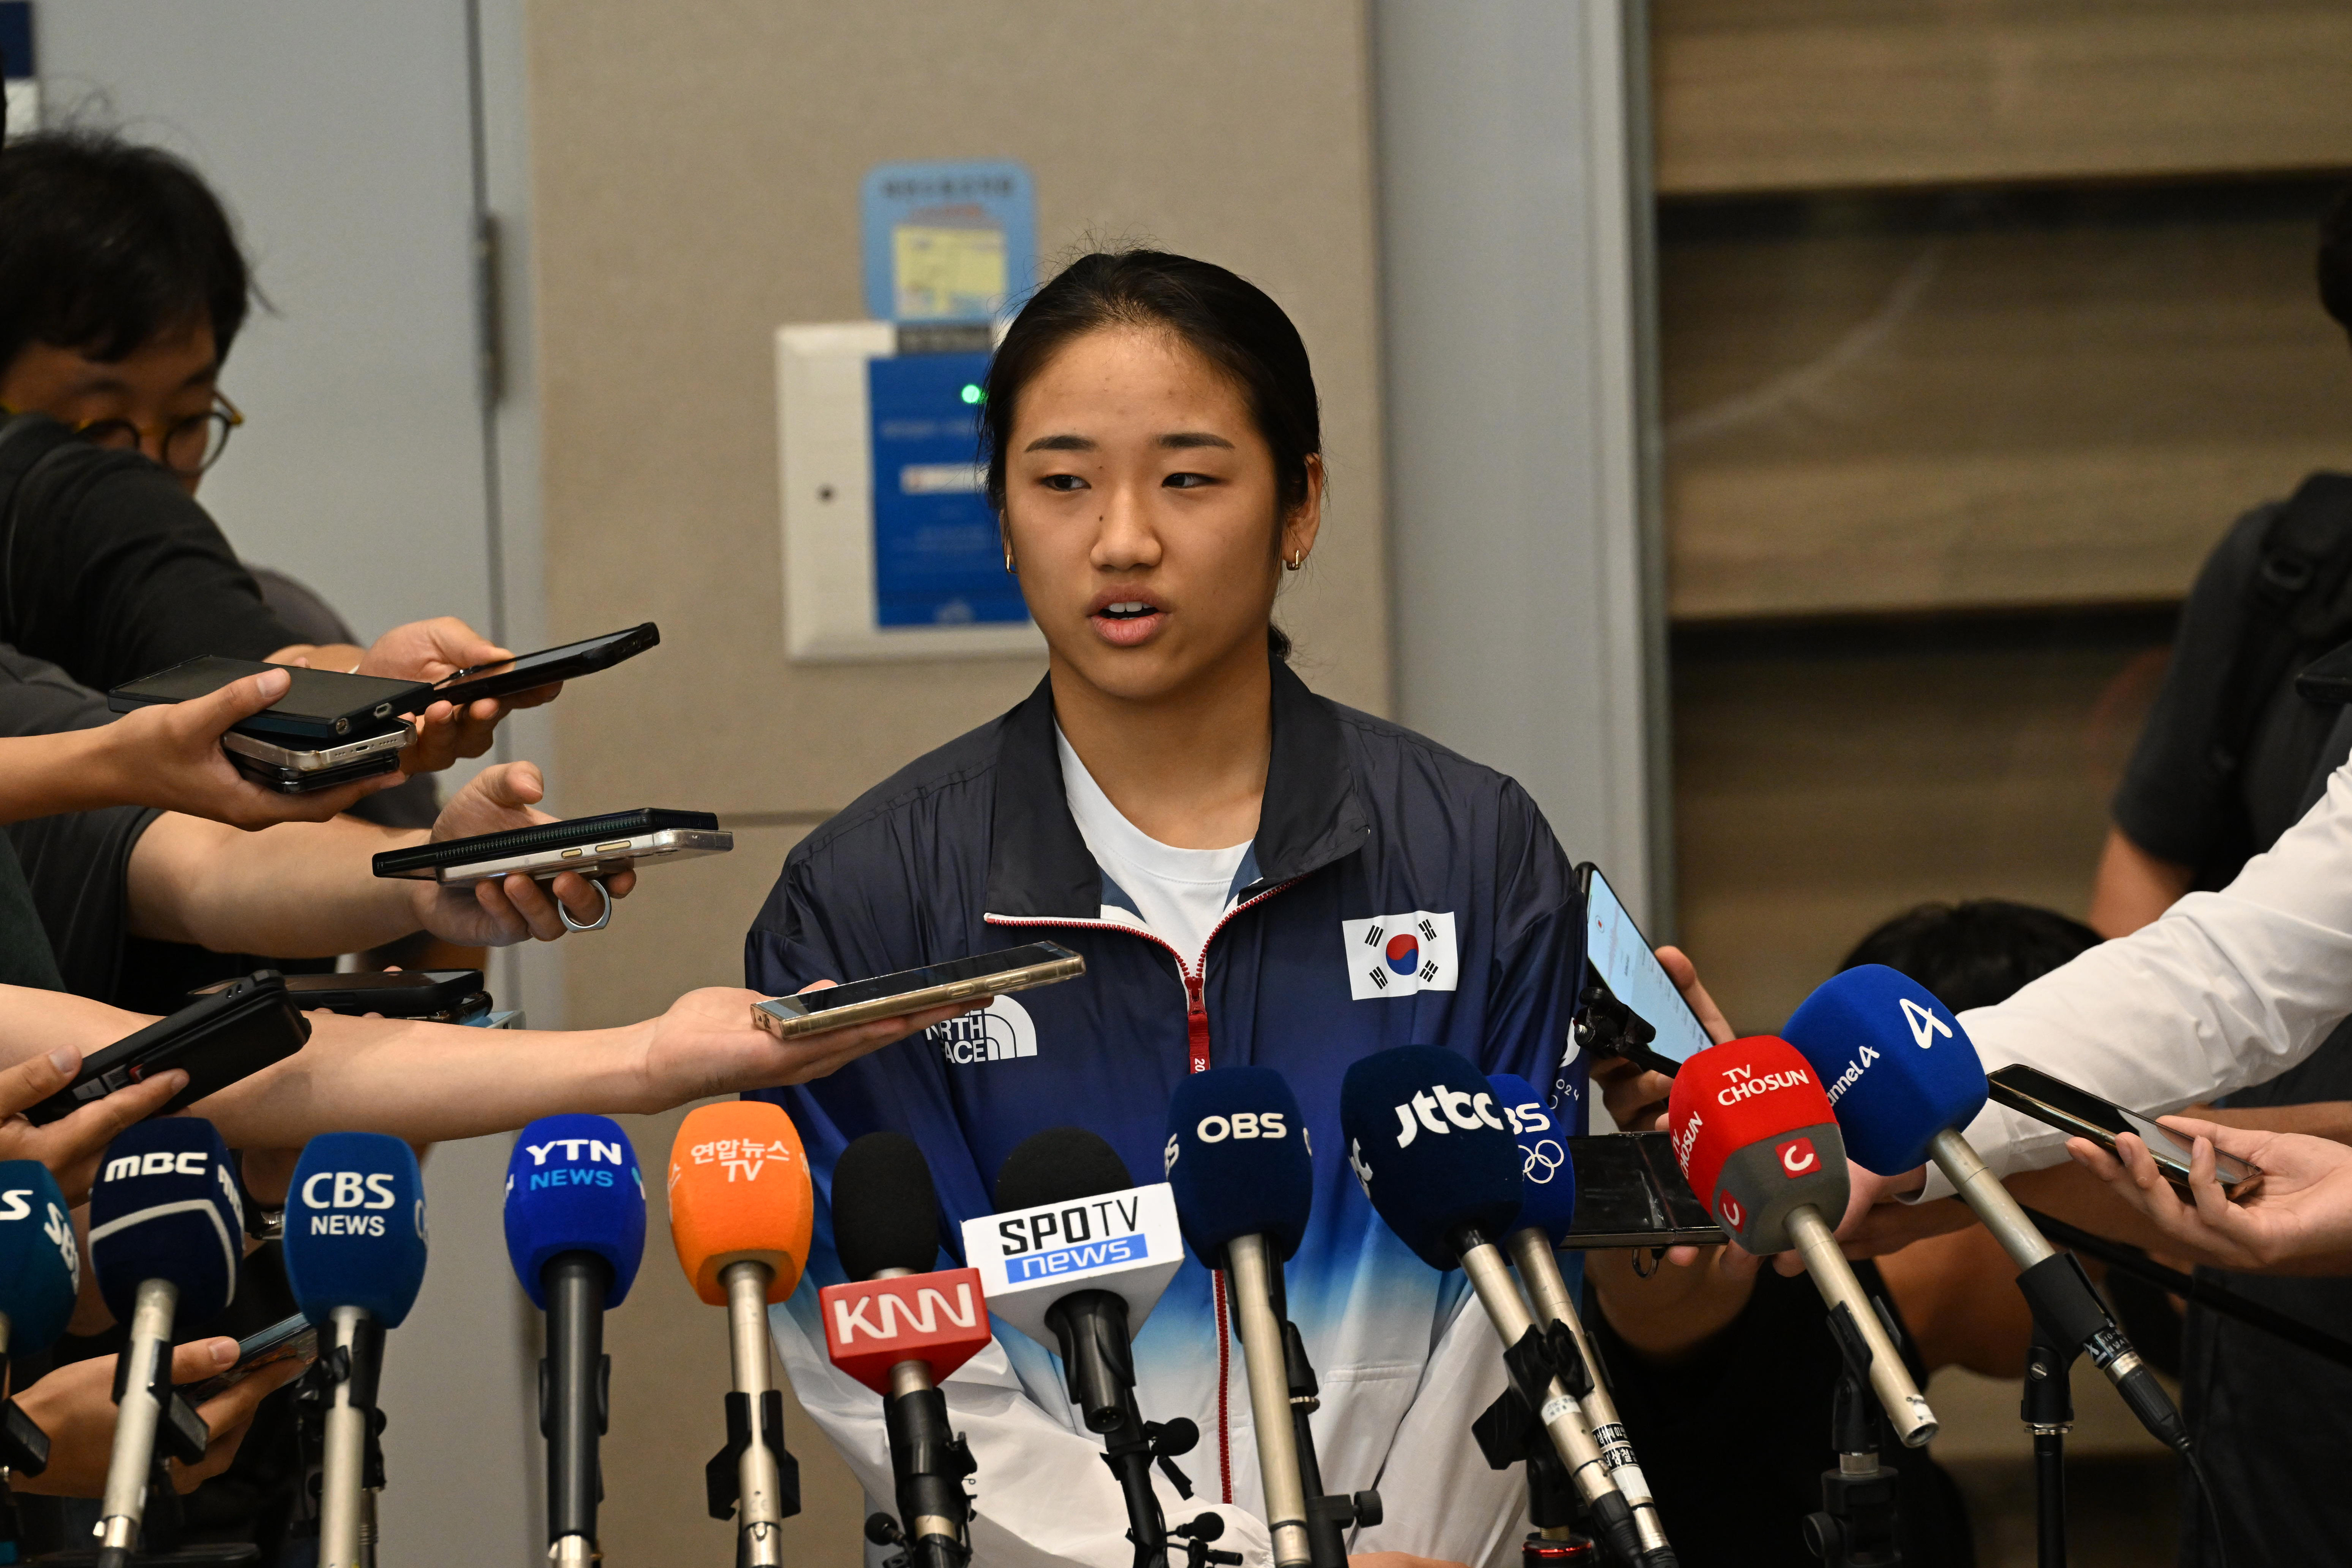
1395 894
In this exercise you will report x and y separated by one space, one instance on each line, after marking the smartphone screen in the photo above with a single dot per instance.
1617 955
910 980
1630 1193
2078 1111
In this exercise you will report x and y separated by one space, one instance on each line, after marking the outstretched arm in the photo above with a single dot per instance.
2298 1221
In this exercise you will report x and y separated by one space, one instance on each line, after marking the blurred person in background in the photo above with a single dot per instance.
2230 756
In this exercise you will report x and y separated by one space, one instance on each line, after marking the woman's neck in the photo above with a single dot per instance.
1188 768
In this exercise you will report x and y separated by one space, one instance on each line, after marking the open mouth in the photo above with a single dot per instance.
1127 622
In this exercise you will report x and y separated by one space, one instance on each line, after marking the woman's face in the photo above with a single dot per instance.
1139 511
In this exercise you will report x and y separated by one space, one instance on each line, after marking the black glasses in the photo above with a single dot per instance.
188 446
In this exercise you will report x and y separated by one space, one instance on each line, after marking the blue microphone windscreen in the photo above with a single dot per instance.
1547 1175
356 1228
572 1187
165 1206
1238 1161
1896 1064
40 1265
1431 1147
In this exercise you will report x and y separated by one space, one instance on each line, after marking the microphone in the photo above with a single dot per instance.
1906 1078
740 1214
354 1247
1547 1214
1076 1258
575 1220
40 1274
1243 1181
899 1327
1757 1140
1427 1141
166 1235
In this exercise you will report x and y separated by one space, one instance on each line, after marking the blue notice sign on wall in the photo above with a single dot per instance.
937 561
948 241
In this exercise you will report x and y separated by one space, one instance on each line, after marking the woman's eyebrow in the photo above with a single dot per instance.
1060 443
1177 441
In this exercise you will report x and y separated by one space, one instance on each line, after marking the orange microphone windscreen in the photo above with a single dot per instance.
739 1190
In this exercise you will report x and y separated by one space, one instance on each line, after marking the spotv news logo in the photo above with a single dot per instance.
1043 1243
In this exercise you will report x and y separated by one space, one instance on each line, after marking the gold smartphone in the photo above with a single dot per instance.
915 990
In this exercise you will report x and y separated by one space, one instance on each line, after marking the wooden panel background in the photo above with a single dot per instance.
696 169
1827 778
1881 405
1757 95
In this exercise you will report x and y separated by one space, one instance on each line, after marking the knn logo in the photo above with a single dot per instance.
1001 1032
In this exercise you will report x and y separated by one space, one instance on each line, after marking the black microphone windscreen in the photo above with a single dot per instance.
1059 1165
885 1214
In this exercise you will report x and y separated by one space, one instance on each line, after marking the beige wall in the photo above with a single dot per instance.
697 167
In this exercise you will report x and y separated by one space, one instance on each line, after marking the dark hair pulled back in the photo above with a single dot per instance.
1220 315
104 243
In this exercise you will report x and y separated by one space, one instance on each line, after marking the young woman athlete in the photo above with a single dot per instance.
1254 875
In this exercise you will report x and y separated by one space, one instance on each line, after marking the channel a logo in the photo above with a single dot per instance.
1001 1032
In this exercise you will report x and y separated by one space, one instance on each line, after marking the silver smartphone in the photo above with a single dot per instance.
916 990
603 859
315 759
2082 1114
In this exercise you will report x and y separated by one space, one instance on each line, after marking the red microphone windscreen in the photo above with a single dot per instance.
1756 1138
869 1328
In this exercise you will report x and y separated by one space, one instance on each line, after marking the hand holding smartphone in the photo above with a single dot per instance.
2082 1114
1622 982
916 990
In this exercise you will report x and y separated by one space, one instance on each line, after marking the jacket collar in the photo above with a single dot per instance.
1038 866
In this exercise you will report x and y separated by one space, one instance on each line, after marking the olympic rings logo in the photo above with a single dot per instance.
1543 1162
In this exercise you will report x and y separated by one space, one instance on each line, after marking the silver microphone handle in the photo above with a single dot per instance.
1915 1424
134 1455
1981 1191
1547 1287
1560 1415
758 1507
343 1464
1250 1272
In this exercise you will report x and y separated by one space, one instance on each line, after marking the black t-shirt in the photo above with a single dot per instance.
110 569
1734 1441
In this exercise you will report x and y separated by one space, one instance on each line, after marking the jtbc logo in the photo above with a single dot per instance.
1437 1106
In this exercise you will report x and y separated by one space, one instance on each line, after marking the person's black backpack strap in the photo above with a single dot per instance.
2295 609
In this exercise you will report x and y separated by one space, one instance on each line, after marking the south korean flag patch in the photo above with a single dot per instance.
1399 955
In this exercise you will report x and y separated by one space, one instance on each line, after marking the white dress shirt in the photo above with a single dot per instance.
2227 991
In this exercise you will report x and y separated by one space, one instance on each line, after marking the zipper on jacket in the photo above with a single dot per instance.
1196 1013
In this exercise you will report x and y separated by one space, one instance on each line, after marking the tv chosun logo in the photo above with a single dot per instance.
998 1033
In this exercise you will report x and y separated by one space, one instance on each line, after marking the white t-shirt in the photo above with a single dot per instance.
1179 895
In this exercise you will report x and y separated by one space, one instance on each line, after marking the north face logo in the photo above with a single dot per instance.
998 1033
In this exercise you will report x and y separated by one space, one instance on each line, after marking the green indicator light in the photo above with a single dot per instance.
971 392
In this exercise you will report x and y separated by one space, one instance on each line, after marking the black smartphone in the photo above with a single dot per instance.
304 781
288 1338
545 667
2327 679
2085 1115
916 990
230 1035
321 705
442 996
1630 1193
1622 976
615 842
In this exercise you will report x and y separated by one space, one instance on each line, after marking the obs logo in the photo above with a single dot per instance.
1241 1124
1441 1110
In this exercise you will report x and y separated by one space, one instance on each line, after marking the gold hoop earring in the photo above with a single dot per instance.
1295 561
1010 569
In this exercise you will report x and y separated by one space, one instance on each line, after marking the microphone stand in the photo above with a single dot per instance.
24 1446
2048 1411
574 1403
1098 1364
755 1472
1858 1524
352 1463
1328 1516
